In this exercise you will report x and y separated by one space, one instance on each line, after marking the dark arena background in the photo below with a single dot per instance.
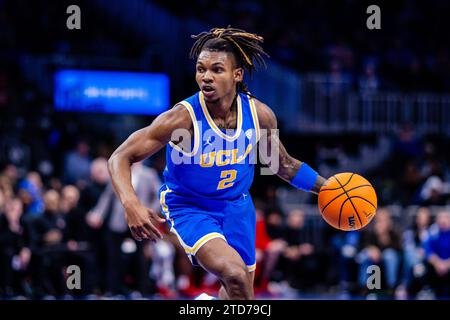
354 90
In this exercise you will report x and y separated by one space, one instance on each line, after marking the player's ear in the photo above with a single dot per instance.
238 74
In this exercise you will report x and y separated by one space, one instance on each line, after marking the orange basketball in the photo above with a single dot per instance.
347 201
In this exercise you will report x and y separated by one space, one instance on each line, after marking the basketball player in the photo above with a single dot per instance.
206 202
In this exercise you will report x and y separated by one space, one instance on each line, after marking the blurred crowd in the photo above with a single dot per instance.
48 223
46 226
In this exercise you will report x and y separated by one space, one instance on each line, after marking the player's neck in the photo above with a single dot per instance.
222 108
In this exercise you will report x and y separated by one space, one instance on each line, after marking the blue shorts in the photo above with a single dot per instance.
195 221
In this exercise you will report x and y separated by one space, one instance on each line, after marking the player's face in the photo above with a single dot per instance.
217 75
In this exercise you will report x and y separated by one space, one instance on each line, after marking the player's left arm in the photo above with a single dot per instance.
289 169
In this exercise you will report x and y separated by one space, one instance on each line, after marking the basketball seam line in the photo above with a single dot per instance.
342 185
364 185
353 205
340 212
364 200
349 198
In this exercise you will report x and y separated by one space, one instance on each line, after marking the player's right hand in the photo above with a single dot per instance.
140 224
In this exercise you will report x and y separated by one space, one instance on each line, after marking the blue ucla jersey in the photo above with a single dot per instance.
220 164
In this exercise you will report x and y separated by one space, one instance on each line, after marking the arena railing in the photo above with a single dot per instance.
332 105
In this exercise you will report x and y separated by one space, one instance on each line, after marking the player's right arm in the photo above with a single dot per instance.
140 145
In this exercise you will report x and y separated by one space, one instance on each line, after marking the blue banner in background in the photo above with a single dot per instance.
111 92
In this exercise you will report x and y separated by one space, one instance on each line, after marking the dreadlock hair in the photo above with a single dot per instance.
246 48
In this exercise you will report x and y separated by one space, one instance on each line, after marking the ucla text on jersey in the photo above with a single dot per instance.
220 164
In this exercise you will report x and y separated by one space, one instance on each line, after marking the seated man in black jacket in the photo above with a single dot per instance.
79 238
51 249
14 249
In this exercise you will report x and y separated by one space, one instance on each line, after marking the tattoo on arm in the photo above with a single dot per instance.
287 166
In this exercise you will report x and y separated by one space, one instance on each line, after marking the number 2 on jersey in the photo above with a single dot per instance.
228 177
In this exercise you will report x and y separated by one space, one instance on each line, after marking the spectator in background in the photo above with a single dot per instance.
268 251
299 259
275 224
15 253
75 219
380 246
8 180
30 192
119 245
51 249
77 165
79 239
89 196
414 239
437 250
99 178
345 245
